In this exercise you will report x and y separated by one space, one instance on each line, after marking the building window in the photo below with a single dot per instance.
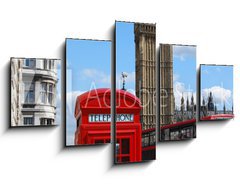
43 92
166 134
27 63
47 90
28 121
53 64
48 64
50 94
30 63
46 121
29 92
45 64
175 135
152 139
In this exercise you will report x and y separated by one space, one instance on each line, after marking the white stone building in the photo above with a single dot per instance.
33 91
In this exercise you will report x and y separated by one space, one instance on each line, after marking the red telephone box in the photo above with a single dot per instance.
93 117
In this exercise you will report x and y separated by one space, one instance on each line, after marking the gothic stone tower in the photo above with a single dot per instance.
145 42
166 85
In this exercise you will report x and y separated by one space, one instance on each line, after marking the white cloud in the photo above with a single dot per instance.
71 99
179 90
181 51
220 94
96 75
131 77
175 77
71 122
70 138
179 87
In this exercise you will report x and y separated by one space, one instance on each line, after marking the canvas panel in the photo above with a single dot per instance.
135 109
88 82
35 92
216 92
177 92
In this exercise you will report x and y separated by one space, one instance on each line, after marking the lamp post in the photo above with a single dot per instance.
124 76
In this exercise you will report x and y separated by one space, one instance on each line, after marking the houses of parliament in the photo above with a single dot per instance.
187 110
210 108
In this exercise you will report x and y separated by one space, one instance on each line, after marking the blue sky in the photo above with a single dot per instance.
125 54
184 72
89 62
88 67
184 65
219 80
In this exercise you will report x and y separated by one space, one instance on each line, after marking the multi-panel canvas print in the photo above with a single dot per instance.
177 92
135 109
88 83
216 92
35 92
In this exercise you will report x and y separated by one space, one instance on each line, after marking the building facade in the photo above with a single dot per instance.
145 46
209 108
33 91
166 84
187 110
15 95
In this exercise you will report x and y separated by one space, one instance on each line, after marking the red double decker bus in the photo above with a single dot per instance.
178 131
218 117
149 144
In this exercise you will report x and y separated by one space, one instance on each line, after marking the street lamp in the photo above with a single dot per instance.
124 76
